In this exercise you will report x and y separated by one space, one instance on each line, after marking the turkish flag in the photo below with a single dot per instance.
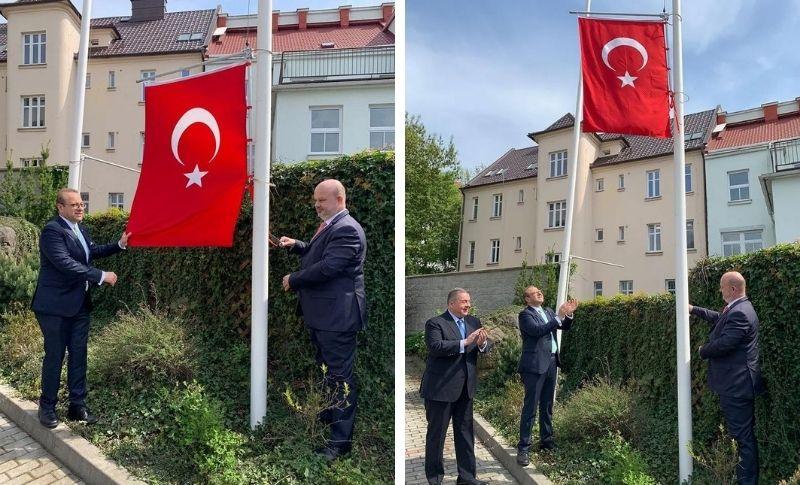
625 80
194 169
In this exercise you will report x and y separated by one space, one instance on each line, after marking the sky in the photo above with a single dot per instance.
488 73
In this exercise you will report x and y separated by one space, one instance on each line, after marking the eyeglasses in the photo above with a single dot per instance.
75 205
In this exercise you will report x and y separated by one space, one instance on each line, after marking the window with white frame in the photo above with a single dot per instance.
88 80
653 183
553 258
33 112
669 285
739 185
474 208
626 287
558 163
598 235
381 127
31 162
116 200
599 185
185 73
556 214
518 243
85 199
86 140
34 48
598 288
497 205
141 146
687 175
494 254
690 234
621 234
326 130
471 253
653 238
112 79
111 140
741 242
521 197
146 77
621 182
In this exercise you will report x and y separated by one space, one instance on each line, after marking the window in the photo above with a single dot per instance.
621 234
94 42
521 197
690 234
598 288
146 77
31 162
112 80
621 182
185 73
325 130
381 127
653 184
598 234
687 175
556 214
739 185
141 146
518 243
497 205
558 163
34 48
669 285
116 200
494 255
471 253
553 258
197 36
599 185
653 238
111 141
474 208
183 37
741 242
85 199
626 287
86 139
33 112
88 80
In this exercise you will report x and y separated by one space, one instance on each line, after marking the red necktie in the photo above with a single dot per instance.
321 227
725 310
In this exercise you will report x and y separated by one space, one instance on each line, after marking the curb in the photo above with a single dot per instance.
77 454
506 454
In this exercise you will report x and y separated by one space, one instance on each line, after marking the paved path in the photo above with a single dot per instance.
489 468
24 461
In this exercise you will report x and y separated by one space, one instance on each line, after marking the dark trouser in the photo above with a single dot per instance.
539 388
740 419
62 334
438 414
337 350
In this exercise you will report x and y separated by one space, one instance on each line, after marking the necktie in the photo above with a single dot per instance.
78 234
725 310
322 226
461 327
553 345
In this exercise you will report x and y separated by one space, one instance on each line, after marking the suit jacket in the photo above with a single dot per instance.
536 335
732 350
447 369
64 270
330 283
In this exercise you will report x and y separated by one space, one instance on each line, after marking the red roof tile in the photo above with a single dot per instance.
756 132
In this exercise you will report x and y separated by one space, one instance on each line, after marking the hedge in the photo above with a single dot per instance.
632 339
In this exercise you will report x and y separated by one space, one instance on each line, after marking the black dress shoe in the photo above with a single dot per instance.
330 453
523 459
48 418
81 414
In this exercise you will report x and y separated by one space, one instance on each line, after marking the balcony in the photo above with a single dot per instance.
785 155
361 64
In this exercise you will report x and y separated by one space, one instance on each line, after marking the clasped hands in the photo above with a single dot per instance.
477 337
567 308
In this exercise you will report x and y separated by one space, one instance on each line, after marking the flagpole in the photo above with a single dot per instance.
681 265
260 287
75 165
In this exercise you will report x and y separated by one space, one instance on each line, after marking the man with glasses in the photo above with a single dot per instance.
62 303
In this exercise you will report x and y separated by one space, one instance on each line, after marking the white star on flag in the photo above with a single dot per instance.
195 177
627 80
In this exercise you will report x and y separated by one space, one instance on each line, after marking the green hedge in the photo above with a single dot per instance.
632 339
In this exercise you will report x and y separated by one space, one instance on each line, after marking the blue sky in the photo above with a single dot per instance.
488 73
113 8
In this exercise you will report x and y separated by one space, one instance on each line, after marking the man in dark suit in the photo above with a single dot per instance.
333 303
454 340
62 303
537 367
733 368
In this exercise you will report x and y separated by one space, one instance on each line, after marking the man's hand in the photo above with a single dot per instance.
690 308
482 337
567 308
286 286
110 278
287 242
471 338
123 241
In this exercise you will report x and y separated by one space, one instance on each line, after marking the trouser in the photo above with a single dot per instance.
70 334
539 389
337 350
438 414
740 419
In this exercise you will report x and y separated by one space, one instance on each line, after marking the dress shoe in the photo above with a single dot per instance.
81 414
48 418
330 453
523 459
474 481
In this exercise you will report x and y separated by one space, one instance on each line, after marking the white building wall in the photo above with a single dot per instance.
786 196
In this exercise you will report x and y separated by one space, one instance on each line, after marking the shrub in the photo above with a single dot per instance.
595 410
415 345
543 276
19 261
318 398
624 465
22 348
717 463
793 480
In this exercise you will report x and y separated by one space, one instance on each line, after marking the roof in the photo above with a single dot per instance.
756 132
514 164
353 36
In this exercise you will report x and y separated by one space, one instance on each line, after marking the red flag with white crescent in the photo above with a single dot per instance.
194 168
625 77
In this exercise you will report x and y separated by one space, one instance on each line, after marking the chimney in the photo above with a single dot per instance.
302 18
275 15
222 21
770 112
344 16
388 11
721 117
144 10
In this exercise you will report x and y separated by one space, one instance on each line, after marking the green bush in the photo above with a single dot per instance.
716 463
598 408
30 192
22 348
624 465
543 276
19 262
313 398
415 344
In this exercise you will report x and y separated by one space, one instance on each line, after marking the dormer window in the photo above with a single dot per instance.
94 42
197 36
327 45
183 37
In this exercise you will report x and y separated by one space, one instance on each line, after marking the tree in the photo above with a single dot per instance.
433 201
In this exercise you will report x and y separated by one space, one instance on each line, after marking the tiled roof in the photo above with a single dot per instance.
3 41
756 132
358 35
514 165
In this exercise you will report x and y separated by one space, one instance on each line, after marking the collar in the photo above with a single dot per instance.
72 225
455 318
536 307
329 221
729 305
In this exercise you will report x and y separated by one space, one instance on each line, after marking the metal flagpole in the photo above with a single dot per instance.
258 323
681 265
74 181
